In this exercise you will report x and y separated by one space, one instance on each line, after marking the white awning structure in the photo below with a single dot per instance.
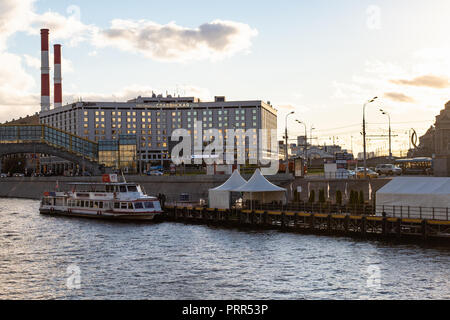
220 196
416 195
260 189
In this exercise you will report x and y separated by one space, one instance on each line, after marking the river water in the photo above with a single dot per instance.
45 257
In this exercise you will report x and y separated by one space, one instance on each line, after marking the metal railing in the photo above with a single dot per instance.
429 213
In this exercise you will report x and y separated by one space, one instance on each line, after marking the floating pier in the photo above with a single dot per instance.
361 226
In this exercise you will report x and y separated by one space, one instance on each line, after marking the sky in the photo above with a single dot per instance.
321 59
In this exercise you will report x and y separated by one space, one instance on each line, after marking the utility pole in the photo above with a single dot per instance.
390 145
364 134
286 143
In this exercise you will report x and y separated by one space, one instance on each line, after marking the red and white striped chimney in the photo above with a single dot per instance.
45 72
57 80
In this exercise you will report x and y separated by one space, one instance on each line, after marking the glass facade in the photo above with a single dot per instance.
119 153
51 136
108 153
127 152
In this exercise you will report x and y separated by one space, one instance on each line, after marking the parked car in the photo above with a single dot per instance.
370 173
18 174
154 173
3 175
351 174
388 169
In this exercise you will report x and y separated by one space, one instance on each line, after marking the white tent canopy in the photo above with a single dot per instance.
420 194
220 196
260 189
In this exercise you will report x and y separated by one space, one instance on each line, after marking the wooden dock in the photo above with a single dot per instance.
361 226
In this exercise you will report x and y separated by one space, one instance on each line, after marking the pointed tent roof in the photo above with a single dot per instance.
258 183
233 182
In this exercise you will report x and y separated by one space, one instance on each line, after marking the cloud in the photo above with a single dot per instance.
171 42
430 81
398 97
14 16
68 28
286 108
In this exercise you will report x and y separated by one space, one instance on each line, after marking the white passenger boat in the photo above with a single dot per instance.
106 200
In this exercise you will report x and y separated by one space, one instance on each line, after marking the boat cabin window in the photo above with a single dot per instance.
138 205
123 205
130 205
116 205
149 205
123 189
47 201
132 189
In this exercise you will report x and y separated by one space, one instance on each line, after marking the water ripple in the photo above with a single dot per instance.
175 261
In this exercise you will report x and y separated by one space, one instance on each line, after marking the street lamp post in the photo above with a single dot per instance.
286 143
310 134
390 145
364 134
306 141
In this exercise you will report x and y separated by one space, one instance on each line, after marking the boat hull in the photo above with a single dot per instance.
104 215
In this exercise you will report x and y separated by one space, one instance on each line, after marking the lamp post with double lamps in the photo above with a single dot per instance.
286 142
364 134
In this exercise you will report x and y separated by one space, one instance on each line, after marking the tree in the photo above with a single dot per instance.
321 196
352 197
361 197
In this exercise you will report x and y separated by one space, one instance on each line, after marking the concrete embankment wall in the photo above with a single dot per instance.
196 185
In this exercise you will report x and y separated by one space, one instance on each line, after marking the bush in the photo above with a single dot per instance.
321 196
339 197
312 197
361 197
352 197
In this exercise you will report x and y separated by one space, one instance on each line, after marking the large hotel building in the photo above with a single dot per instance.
151 121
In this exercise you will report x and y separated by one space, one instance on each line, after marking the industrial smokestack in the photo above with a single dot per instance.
45 72
57 80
